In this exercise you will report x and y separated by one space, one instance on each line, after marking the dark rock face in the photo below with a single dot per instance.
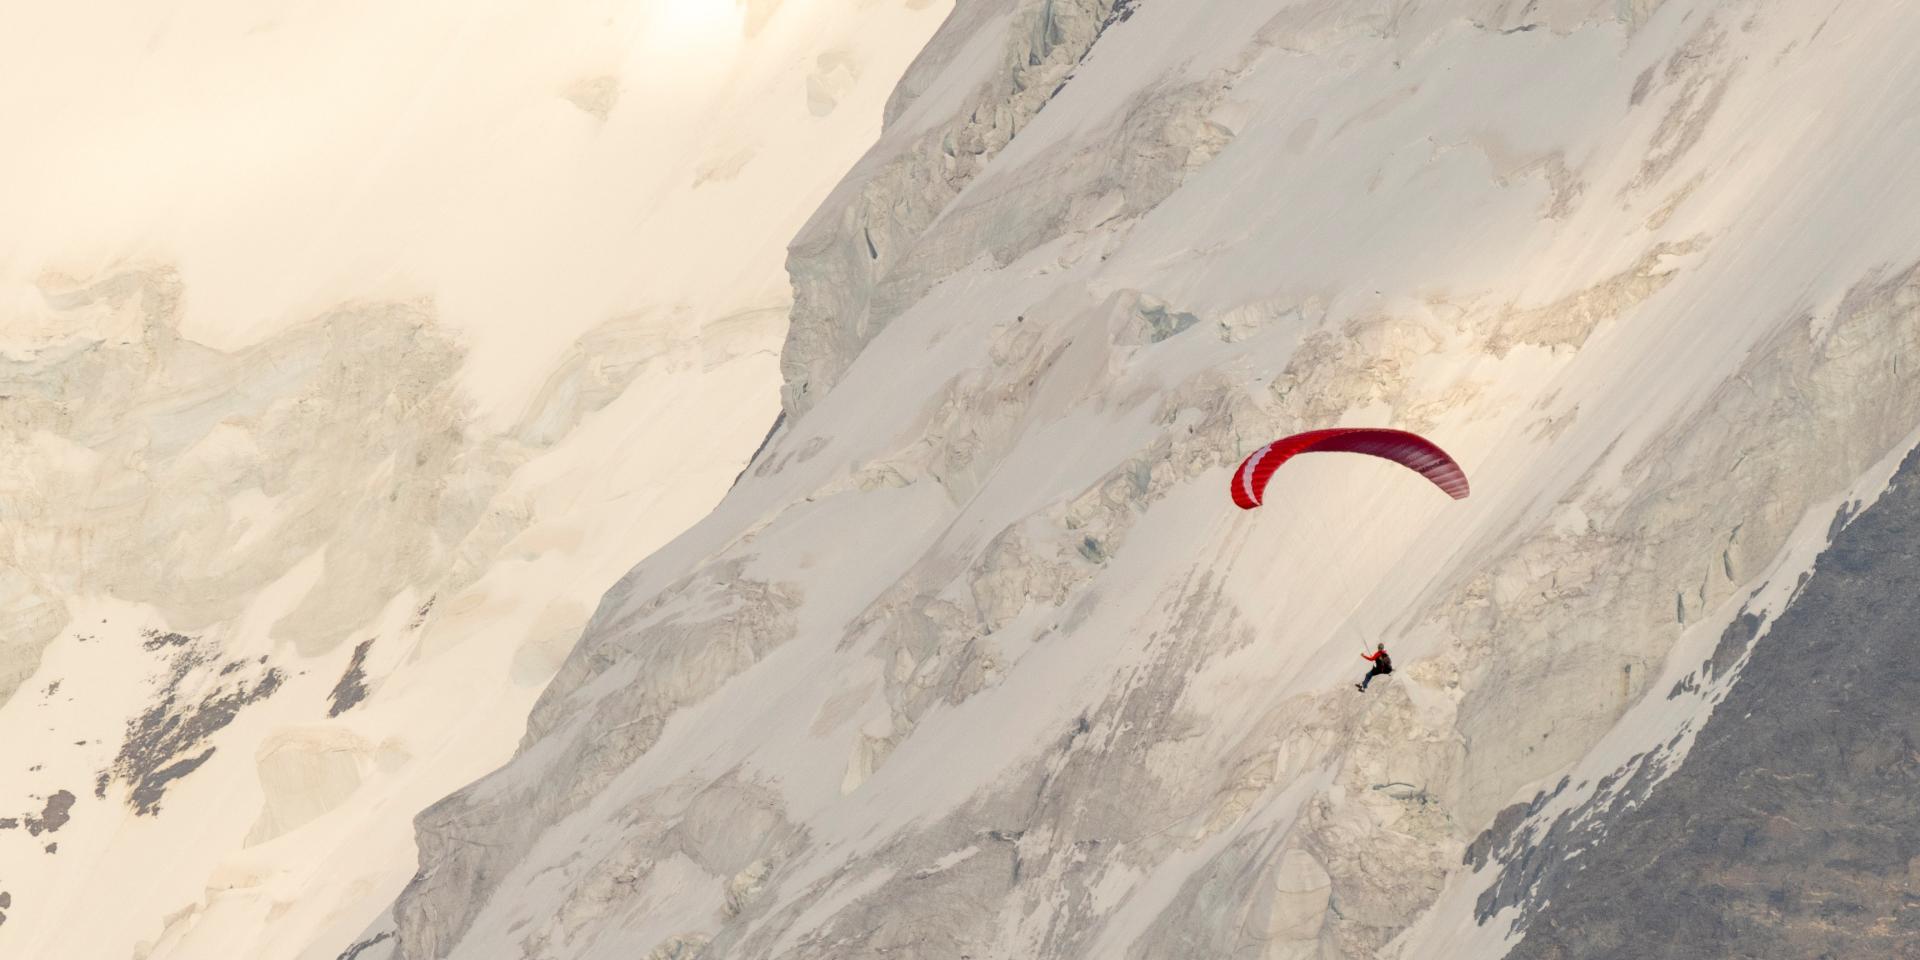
1792 829
169 739
54 815
353 952
1501 834
1733 642
352 687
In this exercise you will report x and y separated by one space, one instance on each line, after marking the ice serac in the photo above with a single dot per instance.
981 661
866 255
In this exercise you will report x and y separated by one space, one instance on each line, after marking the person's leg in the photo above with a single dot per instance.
1368 679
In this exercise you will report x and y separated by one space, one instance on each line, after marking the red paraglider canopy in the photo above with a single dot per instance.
1407 449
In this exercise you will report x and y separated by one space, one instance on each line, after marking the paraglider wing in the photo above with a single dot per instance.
1410 450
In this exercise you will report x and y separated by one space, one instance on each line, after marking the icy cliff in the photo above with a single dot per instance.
977 660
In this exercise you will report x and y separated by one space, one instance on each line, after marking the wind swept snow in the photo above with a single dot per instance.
979 653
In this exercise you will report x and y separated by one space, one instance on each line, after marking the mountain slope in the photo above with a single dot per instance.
348 354
978 660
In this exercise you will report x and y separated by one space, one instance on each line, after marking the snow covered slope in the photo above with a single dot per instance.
978 659
348 353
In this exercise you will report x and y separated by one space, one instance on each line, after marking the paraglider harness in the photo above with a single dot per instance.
1382 665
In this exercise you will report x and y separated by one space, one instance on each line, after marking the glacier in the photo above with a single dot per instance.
973 656
977 661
